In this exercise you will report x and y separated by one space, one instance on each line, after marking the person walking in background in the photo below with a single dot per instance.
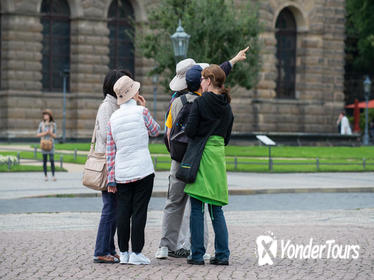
345 128
339 122
211 116
47 133
371 129
105 251
130 167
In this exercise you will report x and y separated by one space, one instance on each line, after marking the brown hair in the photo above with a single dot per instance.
217 77
48 112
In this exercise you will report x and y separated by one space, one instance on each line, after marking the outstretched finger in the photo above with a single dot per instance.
246 49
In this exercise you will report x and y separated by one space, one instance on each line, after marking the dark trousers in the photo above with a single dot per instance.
107 227
221 238
132 206
51 159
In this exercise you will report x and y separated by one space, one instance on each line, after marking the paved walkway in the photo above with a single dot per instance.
19 185
60 246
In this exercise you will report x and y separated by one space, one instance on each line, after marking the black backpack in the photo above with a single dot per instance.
175 96
178 138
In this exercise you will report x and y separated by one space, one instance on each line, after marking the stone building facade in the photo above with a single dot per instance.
300 85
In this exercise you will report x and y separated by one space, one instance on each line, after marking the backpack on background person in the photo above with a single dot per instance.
178 139
173 97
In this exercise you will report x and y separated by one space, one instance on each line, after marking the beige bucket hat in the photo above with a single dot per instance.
203 65
179 81
125 89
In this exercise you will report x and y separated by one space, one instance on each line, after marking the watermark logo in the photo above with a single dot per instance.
267 249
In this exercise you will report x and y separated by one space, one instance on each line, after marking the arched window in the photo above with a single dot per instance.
55 18
286 54
120 25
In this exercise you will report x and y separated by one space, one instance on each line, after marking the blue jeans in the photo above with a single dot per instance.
221 239
107 227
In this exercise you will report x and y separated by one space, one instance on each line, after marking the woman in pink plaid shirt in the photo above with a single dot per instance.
130 167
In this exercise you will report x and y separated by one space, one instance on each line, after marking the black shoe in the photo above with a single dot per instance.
218 262
181 253
191 261
105 259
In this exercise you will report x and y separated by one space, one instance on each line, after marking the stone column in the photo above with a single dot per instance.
89 60
333 47
21 74
264 94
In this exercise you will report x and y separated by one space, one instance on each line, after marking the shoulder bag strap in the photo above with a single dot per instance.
93 139
43 126
184 99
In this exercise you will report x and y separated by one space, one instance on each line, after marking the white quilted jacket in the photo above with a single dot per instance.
133 159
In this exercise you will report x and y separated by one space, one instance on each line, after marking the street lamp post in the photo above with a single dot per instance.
367 87
180 40
155 81
65 75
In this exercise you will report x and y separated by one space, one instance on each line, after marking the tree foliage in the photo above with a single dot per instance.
218 30
360 35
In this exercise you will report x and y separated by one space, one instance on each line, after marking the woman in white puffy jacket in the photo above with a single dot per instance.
130 167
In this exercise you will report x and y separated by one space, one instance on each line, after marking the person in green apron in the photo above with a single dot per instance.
210 110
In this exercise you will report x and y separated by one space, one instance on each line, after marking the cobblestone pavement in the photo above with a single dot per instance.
50 251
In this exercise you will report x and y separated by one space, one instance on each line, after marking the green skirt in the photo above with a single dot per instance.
211 180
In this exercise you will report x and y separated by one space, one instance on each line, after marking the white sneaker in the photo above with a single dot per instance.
124 257
162 253
138 259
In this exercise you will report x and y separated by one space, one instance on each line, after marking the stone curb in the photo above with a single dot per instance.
231 192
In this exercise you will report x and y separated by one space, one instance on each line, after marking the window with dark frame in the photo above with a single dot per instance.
121 34
286 36
55 18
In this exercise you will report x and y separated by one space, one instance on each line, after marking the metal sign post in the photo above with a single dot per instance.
267 142
155 81
65 75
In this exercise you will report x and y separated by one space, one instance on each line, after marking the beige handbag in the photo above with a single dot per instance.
45 144
95 171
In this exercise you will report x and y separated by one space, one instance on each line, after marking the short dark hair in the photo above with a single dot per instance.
111 78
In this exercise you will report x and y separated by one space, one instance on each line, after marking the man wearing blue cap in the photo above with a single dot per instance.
176 201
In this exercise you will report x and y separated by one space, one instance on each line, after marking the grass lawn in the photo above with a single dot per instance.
69 146
27 168
286 166
261 151
290 152
30 155
303 152
299 159
243 164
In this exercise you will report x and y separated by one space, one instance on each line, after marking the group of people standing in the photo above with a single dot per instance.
123 127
